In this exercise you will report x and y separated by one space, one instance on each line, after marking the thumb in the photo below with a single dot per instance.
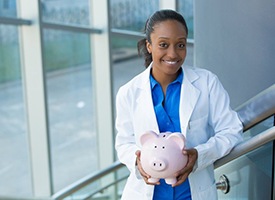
185 151
138 153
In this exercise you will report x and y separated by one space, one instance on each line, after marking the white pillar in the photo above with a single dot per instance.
101 69
167 4
35 99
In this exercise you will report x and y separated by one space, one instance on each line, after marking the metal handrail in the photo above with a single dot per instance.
250 113
239 150
86 181
247 146
105 187
257 108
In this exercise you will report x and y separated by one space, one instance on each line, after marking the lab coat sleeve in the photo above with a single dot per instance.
225 124
125 143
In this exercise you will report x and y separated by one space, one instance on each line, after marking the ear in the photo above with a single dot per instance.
147 136
178 138
148 46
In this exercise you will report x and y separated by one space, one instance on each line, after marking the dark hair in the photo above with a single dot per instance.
158 16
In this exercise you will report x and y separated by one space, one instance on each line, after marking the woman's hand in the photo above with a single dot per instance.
142 172
184 173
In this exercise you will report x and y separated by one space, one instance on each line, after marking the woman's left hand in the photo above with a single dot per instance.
184 173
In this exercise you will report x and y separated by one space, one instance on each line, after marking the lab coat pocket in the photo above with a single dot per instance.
197 131
198 123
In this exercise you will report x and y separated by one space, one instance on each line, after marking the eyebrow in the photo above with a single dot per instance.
162 37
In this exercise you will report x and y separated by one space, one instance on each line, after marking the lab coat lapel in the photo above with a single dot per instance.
189 97
145 104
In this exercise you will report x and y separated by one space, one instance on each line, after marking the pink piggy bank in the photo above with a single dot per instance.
161 155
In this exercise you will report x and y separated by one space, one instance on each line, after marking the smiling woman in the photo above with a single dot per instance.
167 45
172 96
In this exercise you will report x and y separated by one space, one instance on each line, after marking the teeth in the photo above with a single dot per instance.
171 62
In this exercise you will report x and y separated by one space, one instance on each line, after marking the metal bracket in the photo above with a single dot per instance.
223 184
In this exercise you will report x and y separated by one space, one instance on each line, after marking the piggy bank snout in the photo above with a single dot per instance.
158 164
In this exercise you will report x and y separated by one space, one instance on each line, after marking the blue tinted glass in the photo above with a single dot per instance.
131 14
14 149
260 127
250 176
66 11
8 8
71 106
185 7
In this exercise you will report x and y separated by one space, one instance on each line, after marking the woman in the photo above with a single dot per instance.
168 96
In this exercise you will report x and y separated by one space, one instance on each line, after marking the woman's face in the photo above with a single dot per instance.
168 48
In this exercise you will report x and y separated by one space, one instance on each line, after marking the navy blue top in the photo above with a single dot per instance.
167 114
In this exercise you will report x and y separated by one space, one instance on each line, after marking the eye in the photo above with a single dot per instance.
163 45
156 146
163 147
181 45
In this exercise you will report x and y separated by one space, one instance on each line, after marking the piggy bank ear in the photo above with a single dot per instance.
147 136
178 138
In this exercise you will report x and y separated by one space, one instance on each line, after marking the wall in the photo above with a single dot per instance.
235 40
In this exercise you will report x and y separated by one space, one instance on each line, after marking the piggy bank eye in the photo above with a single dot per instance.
164 136
163 147
156 146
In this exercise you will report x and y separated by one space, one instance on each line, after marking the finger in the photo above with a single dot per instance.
181 179
144 174
179 173
138 153
150 183
187 169
141 171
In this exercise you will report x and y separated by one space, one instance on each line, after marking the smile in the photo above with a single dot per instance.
170 62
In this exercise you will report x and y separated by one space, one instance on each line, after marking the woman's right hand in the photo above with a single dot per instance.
141 171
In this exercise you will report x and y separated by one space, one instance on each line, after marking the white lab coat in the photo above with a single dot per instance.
207 122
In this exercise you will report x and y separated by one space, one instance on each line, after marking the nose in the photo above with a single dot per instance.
172 52
158 165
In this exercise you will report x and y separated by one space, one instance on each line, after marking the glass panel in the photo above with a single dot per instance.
66 11
250 176
71 108
14 156
110 186
185 7
131 14
122 175
8 8
264 125
126 63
